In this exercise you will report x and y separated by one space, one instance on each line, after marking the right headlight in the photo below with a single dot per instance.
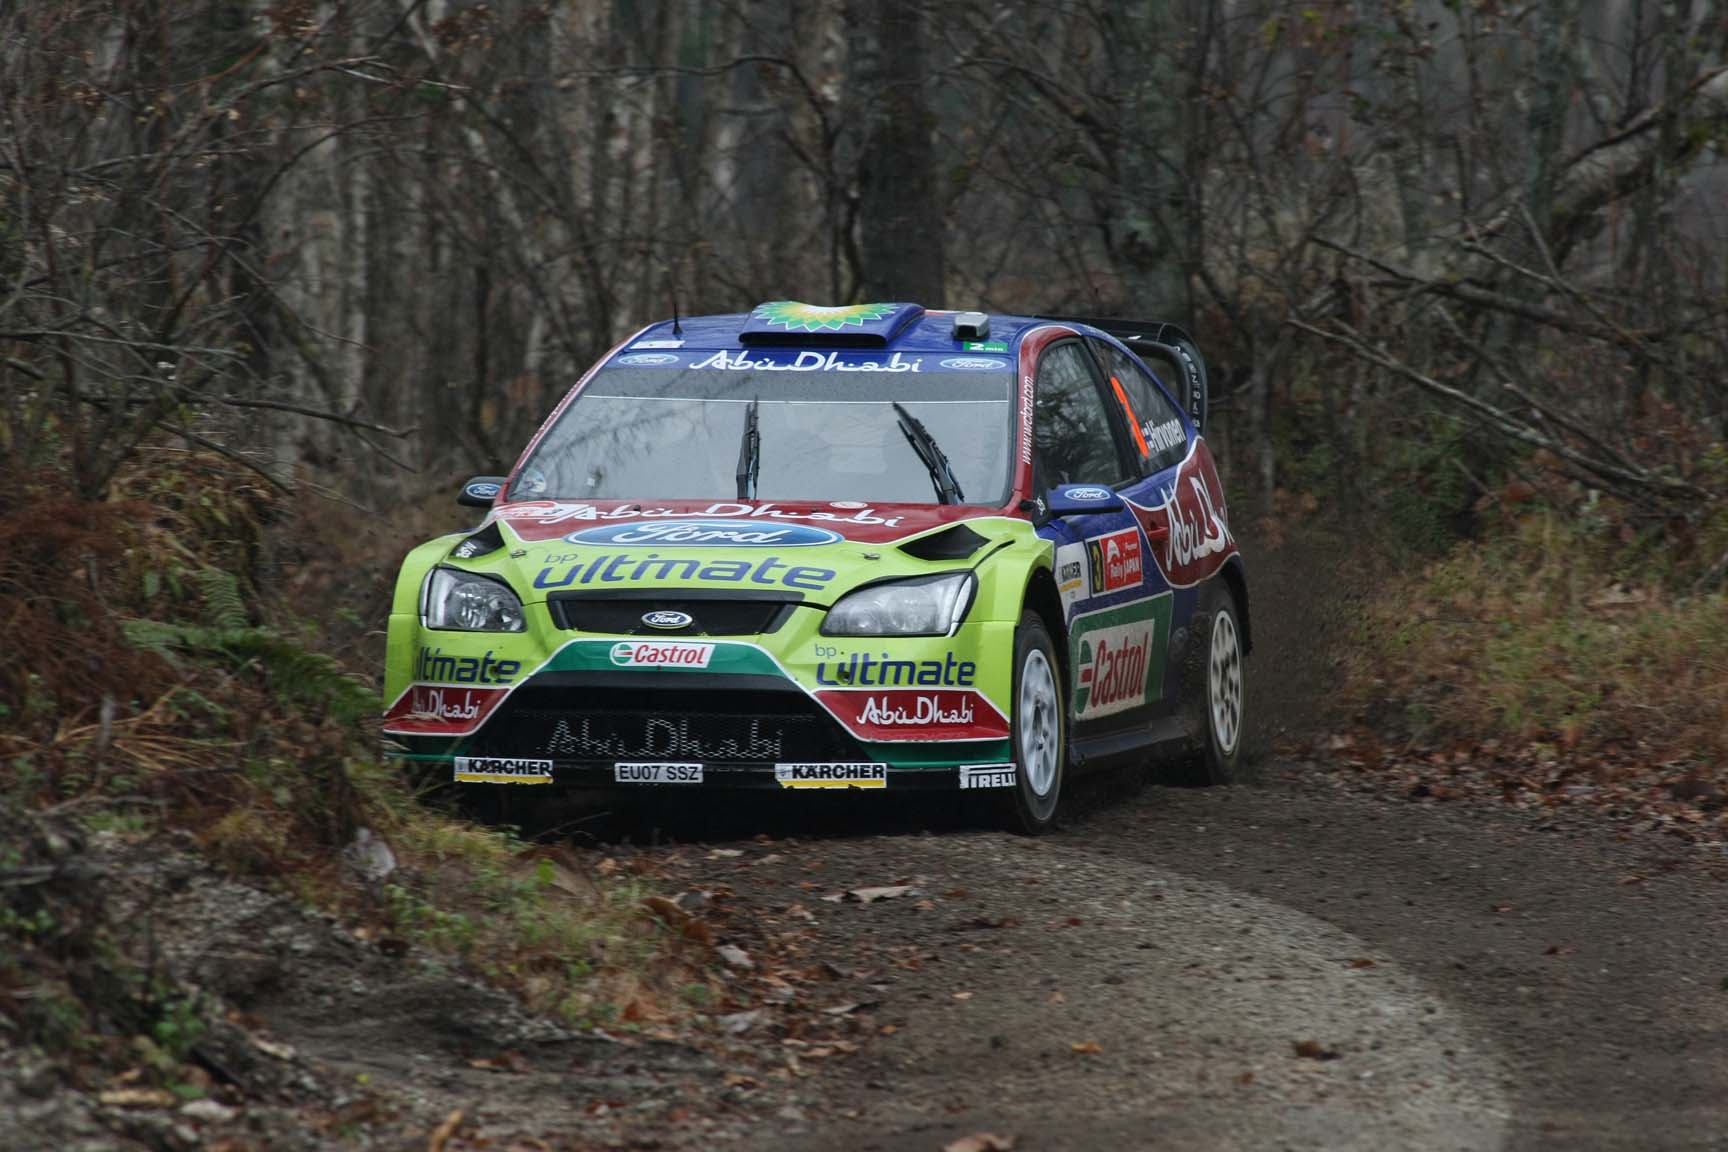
465 602
920 606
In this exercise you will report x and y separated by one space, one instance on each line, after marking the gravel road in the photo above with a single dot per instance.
1274 966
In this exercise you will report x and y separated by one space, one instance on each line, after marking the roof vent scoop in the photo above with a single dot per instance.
790 323
971 326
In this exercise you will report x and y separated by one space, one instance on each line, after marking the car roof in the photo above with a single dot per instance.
895 327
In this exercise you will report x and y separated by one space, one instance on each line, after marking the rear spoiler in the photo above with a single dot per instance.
1168 343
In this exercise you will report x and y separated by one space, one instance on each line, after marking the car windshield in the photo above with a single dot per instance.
832 431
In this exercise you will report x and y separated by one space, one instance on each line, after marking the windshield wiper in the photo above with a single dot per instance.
749 455
941 472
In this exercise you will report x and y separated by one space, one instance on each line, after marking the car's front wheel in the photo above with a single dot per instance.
1040 731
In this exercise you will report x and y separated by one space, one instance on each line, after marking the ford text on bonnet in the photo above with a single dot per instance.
864 547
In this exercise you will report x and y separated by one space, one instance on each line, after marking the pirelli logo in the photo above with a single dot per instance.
986 776
831 775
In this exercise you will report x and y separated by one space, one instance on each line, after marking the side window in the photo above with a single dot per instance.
1157 423
1072 436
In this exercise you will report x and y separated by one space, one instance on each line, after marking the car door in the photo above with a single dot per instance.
1159 436
1118 624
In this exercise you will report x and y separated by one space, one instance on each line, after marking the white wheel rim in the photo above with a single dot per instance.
1224 683
1038 722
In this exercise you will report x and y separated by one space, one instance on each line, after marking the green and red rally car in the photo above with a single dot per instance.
869 546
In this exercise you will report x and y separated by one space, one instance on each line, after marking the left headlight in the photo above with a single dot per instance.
463 602
921 606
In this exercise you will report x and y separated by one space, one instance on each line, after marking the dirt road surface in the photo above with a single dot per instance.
1269 966
1278 965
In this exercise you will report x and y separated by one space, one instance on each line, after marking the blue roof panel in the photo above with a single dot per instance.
903 327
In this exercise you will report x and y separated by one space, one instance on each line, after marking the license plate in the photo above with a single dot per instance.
656 773
502 770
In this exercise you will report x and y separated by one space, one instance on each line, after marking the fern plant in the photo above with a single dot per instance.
311 679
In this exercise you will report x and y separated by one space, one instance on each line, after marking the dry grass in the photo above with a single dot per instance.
1549 632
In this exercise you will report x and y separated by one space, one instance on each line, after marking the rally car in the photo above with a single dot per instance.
861 547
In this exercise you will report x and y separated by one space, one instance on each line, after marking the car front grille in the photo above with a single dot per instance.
611 724
709 616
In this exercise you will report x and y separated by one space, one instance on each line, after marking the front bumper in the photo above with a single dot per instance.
672 777
786 711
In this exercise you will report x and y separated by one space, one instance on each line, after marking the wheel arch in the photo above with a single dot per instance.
1235 578
1041 597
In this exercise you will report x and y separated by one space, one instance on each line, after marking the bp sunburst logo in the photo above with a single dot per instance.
796 317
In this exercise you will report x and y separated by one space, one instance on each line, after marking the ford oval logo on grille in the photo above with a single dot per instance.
706 534
665 618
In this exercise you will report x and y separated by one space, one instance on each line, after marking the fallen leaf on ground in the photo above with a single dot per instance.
991 922
980 1142
1361 962
890 1029
871 895
441 1134
272 1049
771 858
511 1061
1057 998
135 1098
1313 1050
962 995
1560 950
668 910
1086 1047
735 956
725 853
739 1080
1245 1079
739 1023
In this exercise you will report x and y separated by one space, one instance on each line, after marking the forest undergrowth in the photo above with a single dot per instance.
167 686
1573 651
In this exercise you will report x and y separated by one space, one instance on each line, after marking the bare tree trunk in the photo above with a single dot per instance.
901 225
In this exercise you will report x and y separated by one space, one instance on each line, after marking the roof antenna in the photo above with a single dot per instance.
676 330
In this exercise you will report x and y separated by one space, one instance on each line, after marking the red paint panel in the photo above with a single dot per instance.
909 714
441 709
1190 530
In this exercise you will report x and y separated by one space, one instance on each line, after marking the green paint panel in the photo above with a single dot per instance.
1118 656
610 656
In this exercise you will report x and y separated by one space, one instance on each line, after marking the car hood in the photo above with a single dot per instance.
814 550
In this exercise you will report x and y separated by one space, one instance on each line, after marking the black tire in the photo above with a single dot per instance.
1034 729
1214 691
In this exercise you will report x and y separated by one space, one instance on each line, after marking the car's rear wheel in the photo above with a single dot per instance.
1039 732
1216 689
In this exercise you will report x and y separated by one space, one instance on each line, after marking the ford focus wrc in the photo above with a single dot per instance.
858 547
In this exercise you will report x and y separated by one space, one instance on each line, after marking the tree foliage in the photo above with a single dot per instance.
341 242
